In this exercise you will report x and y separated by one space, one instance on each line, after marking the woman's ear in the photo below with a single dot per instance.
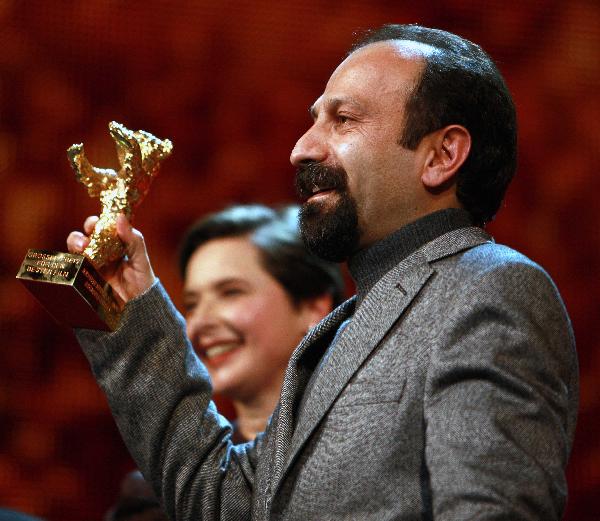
447 149
316 308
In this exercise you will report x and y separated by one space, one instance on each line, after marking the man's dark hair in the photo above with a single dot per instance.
282 253
460 84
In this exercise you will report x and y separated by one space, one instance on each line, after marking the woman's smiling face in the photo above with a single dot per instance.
240 320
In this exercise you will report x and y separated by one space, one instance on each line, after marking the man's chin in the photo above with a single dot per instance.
330 231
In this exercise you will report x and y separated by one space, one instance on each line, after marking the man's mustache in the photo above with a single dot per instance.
315 177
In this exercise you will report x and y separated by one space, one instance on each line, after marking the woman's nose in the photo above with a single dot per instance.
201 318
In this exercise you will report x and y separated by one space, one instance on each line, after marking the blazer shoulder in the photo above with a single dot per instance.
494 271
490 258
471 252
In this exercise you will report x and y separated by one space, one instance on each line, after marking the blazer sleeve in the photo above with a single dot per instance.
501 399
160 396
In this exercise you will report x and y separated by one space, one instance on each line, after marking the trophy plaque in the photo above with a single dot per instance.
69 285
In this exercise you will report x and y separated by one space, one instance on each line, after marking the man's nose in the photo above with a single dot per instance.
311 147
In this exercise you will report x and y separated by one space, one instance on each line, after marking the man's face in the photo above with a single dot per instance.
357 182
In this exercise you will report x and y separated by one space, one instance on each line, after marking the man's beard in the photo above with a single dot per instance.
330 233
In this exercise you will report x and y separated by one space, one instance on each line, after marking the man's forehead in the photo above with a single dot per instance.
394 49
387 55
380 59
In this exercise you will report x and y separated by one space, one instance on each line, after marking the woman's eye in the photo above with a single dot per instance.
232 292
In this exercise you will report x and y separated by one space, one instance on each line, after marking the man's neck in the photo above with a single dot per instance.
368 265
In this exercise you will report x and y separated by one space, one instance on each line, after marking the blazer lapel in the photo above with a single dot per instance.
297 374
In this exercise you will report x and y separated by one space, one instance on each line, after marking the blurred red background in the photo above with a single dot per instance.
229 83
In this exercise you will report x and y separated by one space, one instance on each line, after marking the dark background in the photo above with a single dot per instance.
229 83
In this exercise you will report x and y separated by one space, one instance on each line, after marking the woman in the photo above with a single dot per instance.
251 292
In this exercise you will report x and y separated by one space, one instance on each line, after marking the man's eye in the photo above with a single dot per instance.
343 119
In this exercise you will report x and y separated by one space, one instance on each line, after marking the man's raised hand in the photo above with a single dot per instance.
129 276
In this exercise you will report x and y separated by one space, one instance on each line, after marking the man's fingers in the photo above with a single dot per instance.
89 224
133 240
138 261
77 242
127 234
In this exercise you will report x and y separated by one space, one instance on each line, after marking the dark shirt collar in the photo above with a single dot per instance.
369 265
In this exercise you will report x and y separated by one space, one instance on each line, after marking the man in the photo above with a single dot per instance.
446 389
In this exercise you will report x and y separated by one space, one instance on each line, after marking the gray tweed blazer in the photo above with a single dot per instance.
451 395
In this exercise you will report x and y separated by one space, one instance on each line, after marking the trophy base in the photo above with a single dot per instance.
70 289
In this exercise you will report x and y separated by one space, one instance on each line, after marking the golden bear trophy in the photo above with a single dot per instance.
69 285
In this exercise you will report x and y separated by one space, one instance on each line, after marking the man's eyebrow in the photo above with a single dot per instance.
332 104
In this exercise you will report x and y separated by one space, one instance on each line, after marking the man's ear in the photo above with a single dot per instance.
447 149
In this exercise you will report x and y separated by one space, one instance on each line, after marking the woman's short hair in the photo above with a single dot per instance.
282 253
